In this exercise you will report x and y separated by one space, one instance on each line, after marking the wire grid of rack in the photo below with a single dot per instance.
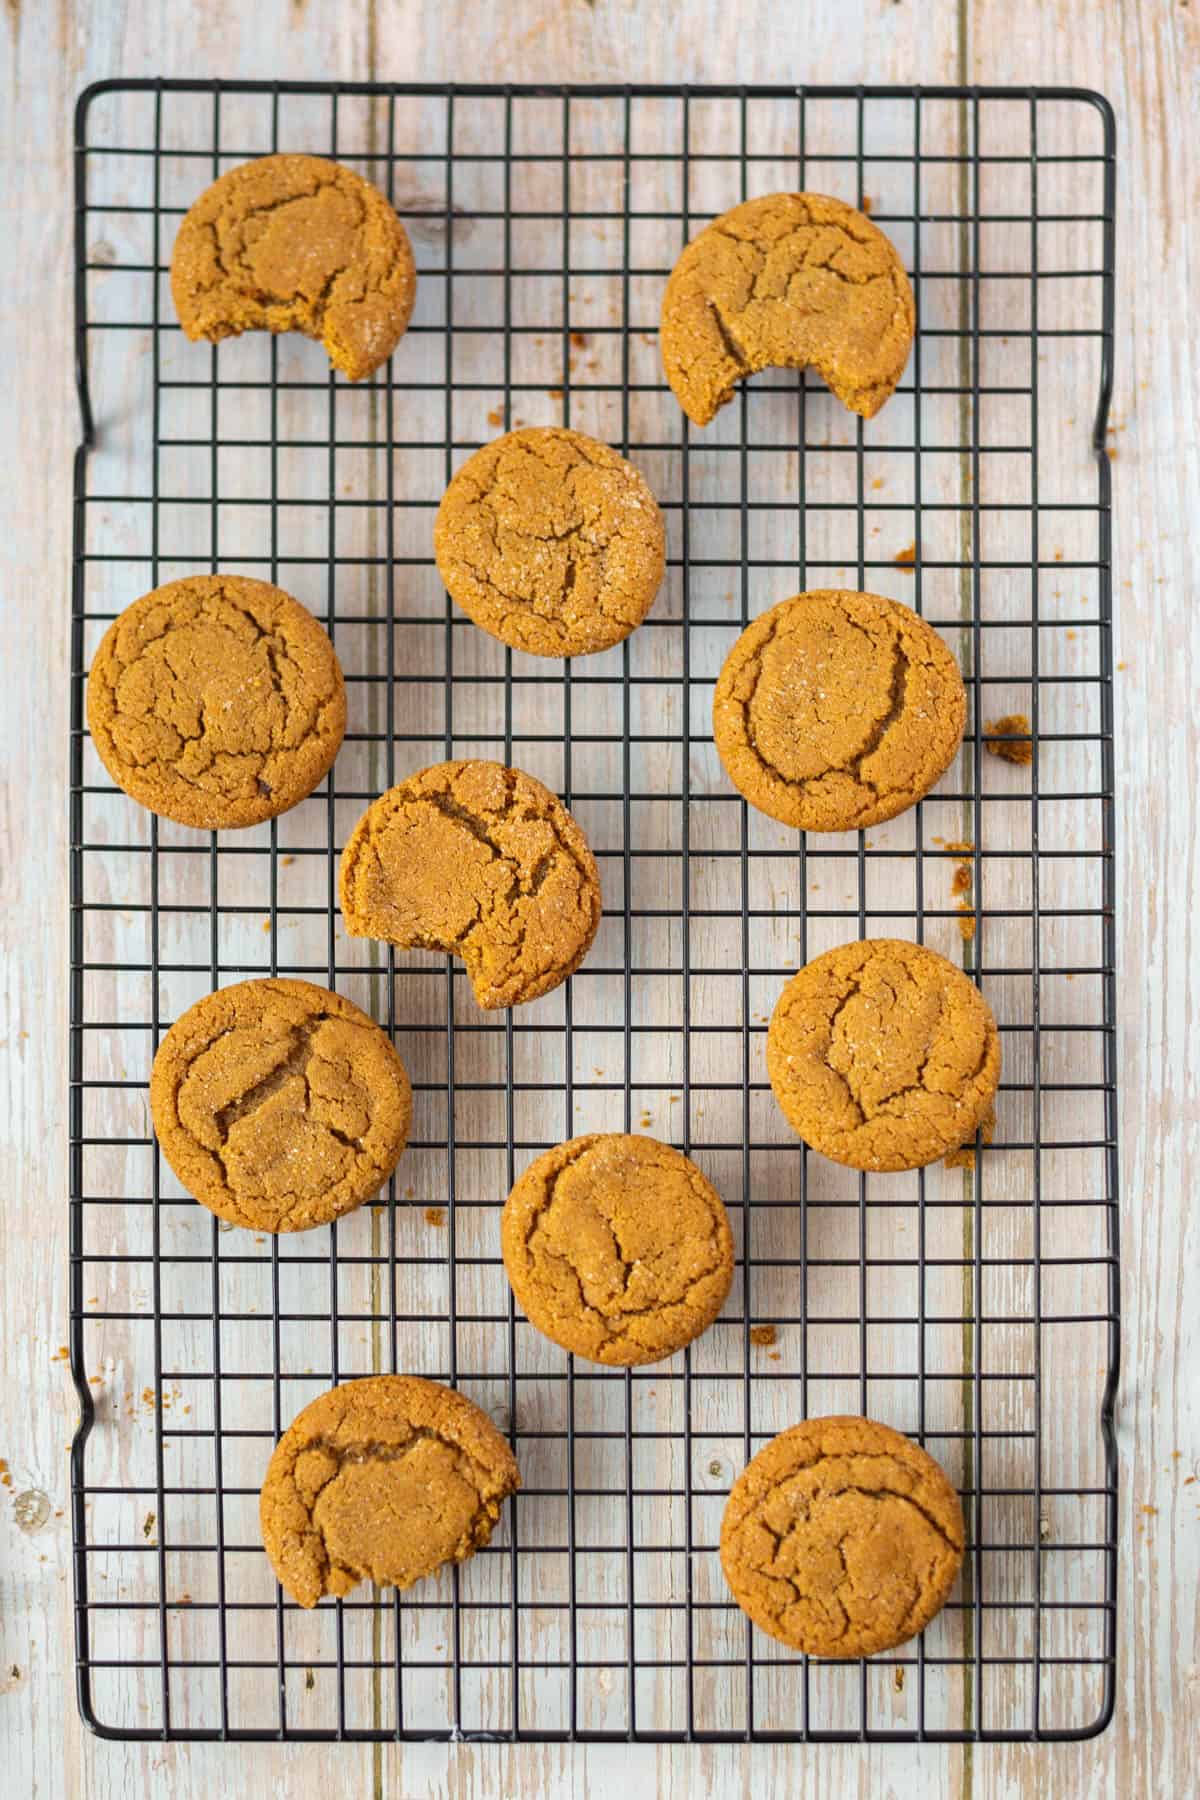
975 1308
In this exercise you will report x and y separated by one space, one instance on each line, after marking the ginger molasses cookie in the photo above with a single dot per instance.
296 243
216 701
787 281
551 542
883 1055
836 710
842 1538
480 861
382 1480
279 1105
617 1248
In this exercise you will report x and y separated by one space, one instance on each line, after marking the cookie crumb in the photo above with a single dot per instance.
1015 728
906 558
435 1215
866 205
762 1334
961 879
966 924
286 862
148 1525
579 339
496 416
898 1680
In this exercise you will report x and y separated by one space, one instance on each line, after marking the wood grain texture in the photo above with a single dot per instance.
1146 57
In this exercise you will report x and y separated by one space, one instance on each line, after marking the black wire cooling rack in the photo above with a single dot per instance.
974 1307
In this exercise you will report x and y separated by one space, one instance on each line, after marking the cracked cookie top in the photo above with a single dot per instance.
483 862
842 1538
787 281
381 1480
296 243
836 710
216 701
551 542
617 1248
883 1055
279 1105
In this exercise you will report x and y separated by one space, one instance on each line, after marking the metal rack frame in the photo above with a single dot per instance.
636 1663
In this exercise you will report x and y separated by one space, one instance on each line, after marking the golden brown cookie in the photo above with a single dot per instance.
617 1248
296 243
551 541
480 861
883 1055
216 701
787 281
279 1105
842 1538
836 710
382 1480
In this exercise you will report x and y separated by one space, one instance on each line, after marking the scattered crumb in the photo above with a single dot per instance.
435 1215
579 339
645 1121
1111 453
266 925
287 861
1071 636
1016 728
865 204
648 337
1058 556
310 1680
597 1072
185 1599
409 1193
906 558
148 1525
966 924
961 879
762 1334
959 846
878 482
1188 1480
673 1099
61 1354
555 393
898 1680
94 1300
1151 1510
496 416
1122 665
773 1356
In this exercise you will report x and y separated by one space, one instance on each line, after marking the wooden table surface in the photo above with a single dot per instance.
1145 56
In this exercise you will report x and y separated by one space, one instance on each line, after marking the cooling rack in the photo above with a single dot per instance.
975 1307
